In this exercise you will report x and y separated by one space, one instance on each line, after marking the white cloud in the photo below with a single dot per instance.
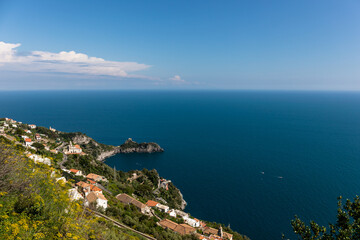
177 79
64 62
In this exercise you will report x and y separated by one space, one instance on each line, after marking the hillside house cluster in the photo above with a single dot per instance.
191 224
93 195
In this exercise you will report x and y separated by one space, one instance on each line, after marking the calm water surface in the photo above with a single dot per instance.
249 159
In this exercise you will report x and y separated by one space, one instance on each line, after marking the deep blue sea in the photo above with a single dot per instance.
245 158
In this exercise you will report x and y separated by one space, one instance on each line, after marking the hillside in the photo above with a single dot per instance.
58 175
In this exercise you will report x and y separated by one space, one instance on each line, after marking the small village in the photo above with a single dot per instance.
91 191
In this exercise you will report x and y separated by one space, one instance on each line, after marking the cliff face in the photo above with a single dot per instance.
82 139
131 146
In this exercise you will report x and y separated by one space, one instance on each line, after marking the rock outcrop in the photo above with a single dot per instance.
131 146
82 139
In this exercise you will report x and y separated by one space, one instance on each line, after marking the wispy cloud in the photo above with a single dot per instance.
64 62
177 79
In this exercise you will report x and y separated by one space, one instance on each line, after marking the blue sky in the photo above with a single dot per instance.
281 44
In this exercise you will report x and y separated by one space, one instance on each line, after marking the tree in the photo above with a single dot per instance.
346 227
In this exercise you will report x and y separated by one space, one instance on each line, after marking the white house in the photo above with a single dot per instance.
172 213
28 142
6 125
97 198
192 222
14 126
39 159
37 137
162 207
32 126
52 129
27 131
2 129
76 172
74 194
181 213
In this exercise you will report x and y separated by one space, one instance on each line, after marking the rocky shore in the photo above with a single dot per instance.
130 146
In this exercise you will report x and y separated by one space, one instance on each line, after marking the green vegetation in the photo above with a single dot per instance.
34 206
347 226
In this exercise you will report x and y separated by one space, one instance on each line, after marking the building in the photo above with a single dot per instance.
76 172
28 142
2 129
73 149
39 159
126 199
97 198
82 184
92 188
210 231
96 178
27 131
181 213
168 224
164 184
151 203
14 126
182 229
217 234
162 208
74 194
37 137
52 129
54 151
192 222
172 213
32 126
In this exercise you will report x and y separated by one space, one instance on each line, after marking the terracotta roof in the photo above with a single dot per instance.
91 181
92 176
91 197
166 223
215 237
151 203
77 146
124 198
184 229
27 140
95 188
209 230
82 184
74 170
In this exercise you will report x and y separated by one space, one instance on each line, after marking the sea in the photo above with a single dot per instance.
248 159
